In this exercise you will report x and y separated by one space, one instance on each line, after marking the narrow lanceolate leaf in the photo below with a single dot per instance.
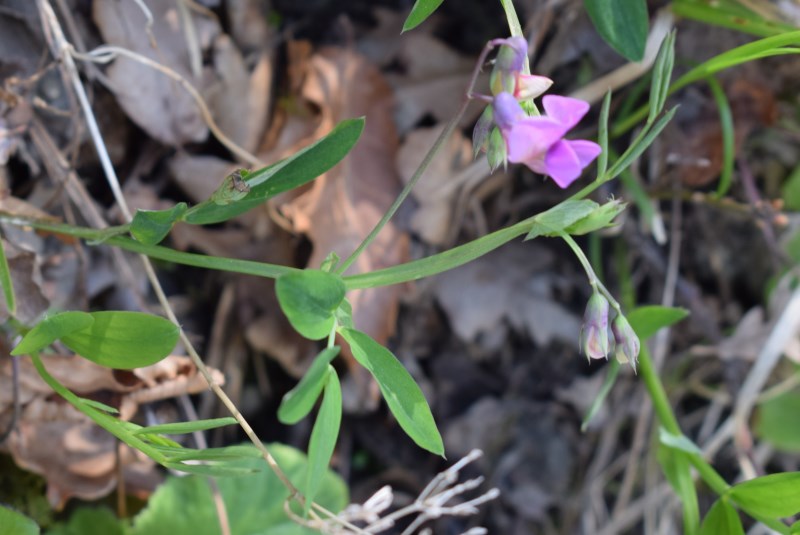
623 24
675 464
722 518
299 401
211 470
296 170
51 329
323 436
422 10
309 298
559 217
123 339
182 428
602 136
152 226
647 320
399 389
772 496
5 282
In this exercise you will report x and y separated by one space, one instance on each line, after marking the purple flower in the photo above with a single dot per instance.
625 340
538 141
507 72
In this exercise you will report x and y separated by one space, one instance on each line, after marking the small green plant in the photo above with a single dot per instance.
315 301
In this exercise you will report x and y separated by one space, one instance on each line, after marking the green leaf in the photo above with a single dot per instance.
99 406
559 217
210 470
299 401
776 421
772 496
123 339
422 10
678 442
185 504
602 217
90 521
344 314
399 389
647 320
677 469
323 436
5 282
662 75
309 298
226 453
296 170
608 382
623 24
722 518
602 136
182 428
790 192
51 329
14 523
152 226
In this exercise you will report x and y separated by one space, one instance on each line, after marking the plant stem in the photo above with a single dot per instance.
516 28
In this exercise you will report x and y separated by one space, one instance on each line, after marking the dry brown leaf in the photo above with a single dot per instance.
507 285
151 99
55 440
435 192
342 206
240 101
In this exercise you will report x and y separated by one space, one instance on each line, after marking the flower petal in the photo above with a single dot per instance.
531 86
507 110
562 164
567 111
530 138
586 151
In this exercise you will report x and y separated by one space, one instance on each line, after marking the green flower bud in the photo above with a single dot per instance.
625 340
594 334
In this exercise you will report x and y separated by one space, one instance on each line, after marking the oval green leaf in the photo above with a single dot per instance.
647 320
299 401
123 339
309 298
182 428
772 496
623 24
296 170
722 518
14 523
152 226
399 389
422 10
323 436
51 329
776 421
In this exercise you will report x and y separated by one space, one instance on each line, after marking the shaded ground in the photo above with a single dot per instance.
493 344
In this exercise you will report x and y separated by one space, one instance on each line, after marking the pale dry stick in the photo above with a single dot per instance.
107 53
631 514
594 92
148 25
192 42
62 50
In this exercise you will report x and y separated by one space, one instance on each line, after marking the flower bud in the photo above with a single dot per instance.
509 62
594 334
496 150
530 86
480 135
625 340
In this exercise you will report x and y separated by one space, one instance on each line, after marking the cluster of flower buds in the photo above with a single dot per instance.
506 133
594 334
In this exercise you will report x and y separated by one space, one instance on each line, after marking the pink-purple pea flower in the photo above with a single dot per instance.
539 143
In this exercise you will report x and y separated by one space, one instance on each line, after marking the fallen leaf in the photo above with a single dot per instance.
509 286
151 99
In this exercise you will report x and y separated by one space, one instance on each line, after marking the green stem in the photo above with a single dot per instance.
594 281
407 189
516 28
